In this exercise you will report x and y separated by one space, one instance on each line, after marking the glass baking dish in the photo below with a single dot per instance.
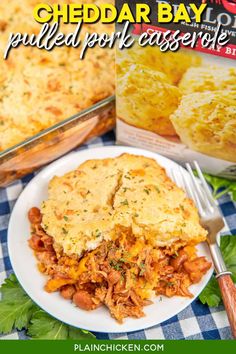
57 140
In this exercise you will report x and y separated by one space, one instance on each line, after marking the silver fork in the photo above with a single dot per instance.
211 219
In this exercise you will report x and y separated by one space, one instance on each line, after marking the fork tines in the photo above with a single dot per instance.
196 187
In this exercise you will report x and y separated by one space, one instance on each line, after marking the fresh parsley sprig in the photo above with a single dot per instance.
211 294
18 311
221 186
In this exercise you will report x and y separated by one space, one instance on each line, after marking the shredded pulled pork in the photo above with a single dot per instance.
122 274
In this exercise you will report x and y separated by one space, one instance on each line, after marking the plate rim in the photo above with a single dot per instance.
63 161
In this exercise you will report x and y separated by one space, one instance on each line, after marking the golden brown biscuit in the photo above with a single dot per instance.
145 99
208 78
40 88
174 65
206 122
89 205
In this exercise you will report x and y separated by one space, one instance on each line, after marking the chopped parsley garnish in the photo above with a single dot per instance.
65 232
97 233
65 218
125 202
147 191
115 265
175 255
142 267
170 283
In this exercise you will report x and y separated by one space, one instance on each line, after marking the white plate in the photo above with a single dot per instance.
24 262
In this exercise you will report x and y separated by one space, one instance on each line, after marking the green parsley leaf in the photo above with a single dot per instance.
221 186
228 249
74 333
18 311
211 295
43 326
16 308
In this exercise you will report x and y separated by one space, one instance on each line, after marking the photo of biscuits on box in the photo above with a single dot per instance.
179 96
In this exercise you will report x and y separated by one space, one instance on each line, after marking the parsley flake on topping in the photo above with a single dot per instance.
146 190
65 218
97 233
157 189
125 202
65 232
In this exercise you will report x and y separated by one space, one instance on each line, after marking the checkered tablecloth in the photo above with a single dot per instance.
197 321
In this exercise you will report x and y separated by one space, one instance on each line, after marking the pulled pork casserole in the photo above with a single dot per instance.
117 232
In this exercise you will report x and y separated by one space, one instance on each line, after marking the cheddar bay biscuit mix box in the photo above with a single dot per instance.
181 104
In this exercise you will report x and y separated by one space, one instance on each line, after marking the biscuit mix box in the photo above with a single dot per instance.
181 104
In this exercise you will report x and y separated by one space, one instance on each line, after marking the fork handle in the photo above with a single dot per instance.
228 291
226 285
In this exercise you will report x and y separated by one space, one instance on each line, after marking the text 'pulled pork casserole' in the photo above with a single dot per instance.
117 232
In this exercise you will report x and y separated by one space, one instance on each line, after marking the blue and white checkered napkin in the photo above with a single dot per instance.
197 321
